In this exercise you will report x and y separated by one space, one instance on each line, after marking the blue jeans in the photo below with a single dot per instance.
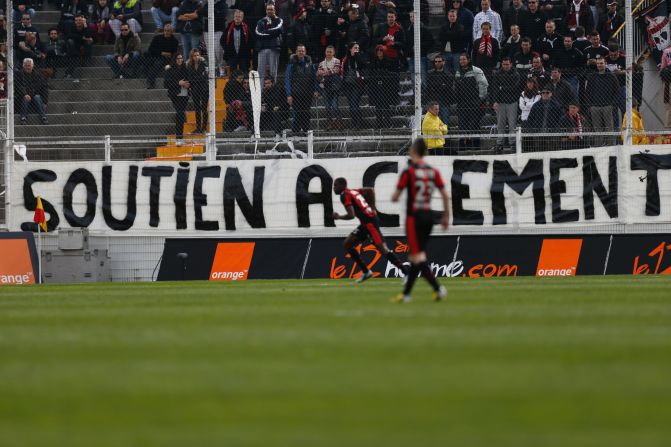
189 42
574 83
424 64
452 60
160 18
128 69
39 105
330 98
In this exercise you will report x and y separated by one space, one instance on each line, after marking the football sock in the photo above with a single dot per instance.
428 275
412 276
355 255
397 262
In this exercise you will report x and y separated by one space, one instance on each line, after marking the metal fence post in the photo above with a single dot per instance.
9 158
629 57
417 127
108 148
518 140
311 144
211 145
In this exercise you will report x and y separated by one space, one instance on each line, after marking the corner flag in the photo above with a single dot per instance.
39 218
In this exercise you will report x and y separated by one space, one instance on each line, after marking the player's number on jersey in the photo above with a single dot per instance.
362 201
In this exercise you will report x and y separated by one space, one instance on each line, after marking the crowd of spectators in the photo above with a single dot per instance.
534 63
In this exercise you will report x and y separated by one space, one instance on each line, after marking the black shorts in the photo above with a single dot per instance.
369 229
418 228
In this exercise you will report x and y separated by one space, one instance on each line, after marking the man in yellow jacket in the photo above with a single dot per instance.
433 129
638 135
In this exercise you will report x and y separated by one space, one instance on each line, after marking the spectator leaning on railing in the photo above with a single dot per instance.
273 106
31 91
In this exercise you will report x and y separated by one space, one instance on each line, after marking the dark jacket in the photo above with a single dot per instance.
301 77
197 77
570 61
227 42
554 116
234 91
300 32
269 34
31 84
173 75
534 25
505 87
482 60
549 44
601 89
439 86
194 26
456 35
426 43
322 20
383 81
159 44
130 44
514 16
131 10
350 67
563 93
357 31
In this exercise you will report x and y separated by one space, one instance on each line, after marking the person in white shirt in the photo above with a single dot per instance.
488 15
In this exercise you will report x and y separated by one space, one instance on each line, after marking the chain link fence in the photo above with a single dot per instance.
130 80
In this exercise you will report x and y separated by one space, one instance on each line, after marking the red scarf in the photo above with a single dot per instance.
231 27
486 45
578 123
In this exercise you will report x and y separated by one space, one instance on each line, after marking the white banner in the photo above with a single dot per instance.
294 197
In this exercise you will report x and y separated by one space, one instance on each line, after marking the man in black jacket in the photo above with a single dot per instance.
439 87
31 89
534 25
548 44
236 42
273 106
324 27
601 94
545 116
300 85
571 62
426 44
517 14
353 29
562 92
300 32
162 49
504 94
453 40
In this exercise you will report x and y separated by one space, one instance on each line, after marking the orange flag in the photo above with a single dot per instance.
39 218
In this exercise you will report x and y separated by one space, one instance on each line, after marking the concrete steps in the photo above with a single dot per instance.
97 107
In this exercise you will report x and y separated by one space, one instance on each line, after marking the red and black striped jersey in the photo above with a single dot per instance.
362 210
420 180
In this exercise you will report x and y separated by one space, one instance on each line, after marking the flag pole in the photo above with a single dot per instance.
39 254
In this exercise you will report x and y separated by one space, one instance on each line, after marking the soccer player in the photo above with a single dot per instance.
360 203
420 180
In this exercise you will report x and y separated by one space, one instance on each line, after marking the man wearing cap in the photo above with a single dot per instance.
545 116
301 32
611 23
487 14
601 93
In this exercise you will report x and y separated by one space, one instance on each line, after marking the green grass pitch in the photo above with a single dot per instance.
564 362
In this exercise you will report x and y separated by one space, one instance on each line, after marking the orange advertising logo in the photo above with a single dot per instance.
15 265
232 261
653 263
559 257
